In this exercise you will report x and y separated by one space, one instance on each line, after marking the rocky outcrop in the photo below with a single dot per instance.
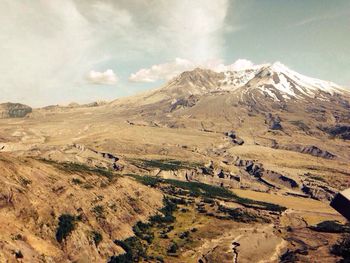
14 110
267 177
281 179
318 190
307 149
234 138
183 103
273 122
250 166
337 131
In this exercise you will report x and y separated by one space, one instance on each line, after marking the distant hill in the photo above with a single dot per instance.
14 110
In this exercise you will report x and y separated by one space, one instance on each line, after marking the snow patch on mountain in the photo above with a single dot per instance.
288 83
301 81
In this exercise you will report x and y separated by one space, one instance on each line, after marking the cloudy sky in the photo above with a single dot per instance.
60 51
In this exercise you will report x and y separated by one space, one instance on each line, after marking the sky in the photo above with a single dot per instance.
62 51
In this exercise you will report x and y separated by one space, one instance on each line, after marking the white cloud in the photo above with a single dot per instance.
162 71
42 52
240 64
195 29
103 78
49 52
169 70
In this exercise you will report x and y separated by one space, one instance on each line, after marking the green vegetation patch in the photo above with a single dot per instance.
82 168
164 164
99 211
240 215
96 237
207 191
134 250
136 247
66 225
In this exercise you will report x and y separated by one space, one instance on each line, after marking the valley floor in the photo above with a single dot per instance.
87 185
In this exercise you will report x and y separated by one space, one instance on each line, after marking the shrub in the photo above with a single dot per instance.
167 211
81 168
76 181
164 164
160 259
134 250
197 189
96 237
98 210
66 225
342 248
173 247
142 230
146 180
185 234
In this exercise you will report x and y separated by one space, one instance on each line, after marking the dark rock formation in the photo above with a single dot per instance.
338 131
231 134
318 190
331 227
183 103
315 151
284 180
14 110
238 141
273 122
308 149
234 138
253 168
220 173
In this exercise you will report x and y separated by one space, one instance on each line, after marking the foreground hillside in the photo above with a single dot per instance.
219 167
39 200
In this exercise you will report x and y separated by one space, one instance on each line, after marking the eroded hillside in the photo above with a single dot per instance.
36 196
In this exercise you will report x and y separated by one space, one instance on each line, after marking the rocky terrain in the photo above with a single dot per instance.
14 110
211 167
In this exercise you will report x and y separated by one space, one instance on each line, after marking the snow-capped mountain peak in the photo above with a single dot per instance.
275 82
279 82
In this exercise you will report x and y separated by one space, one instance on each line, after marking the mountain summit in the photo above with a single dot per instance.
268 89
275 81
262 84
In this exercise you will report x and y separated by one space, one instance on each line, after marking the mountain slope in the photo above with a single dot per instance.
236 95
35 194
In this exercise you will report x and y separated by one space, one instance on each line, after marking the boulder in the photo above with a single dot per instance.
231 134
238 141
